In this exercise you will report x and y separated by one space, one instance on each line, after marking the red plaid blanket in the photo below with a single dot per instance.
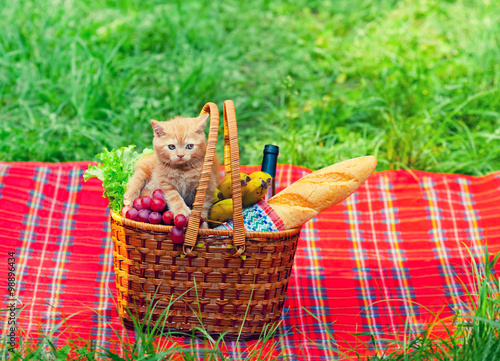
393 253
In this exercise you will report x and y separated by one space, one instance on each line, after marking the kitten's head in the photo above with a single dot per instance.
180 140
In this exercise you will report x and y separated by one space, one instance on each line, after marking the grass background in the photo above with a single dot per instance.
415 83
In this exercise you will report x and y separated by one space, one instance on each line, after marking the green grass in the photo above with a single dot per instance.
415 83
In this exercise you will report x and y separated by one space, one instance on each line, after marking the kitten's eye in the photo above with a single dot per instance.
190 146
171 146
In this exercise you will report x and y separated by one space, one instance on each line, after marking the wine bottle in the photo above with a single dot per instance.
269 163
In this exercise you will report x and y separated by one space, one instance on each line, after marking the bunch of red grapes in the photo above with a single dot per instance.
155 211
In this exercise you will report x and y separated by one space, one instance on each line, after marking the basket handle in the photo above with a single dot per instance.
232 166
206 170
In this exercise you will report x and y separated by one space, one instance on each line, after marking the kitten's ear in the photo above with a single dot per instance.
201 121
158 129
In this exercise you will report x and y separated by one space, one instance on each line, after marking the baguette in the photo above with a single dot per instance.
320 190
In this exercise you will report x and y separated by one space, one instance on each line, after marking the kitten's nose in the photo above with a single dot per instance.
180 155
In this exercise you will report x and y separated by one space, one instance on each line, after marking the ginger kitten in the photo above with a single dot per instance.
175 166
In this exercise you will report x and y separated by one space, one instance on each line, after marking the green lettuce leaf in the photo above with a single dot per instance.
115 169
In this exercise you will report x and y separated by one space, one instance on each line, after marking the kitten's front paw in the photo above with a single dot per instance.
129 197
181 210
127 201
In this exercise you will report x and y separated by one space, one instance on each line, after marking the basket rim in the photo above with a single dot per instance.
161 228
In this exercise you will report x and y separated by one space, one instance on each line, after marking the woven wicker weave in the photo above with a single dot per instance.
219 290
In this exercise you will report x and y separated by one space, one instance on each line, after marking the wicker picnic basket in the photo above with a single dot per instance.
203 282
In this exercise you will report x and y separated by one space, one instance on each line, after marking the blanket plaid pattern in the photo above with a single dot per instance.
390 255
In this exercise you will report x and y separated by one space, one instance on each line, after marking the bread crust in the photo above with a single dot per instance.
321 189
